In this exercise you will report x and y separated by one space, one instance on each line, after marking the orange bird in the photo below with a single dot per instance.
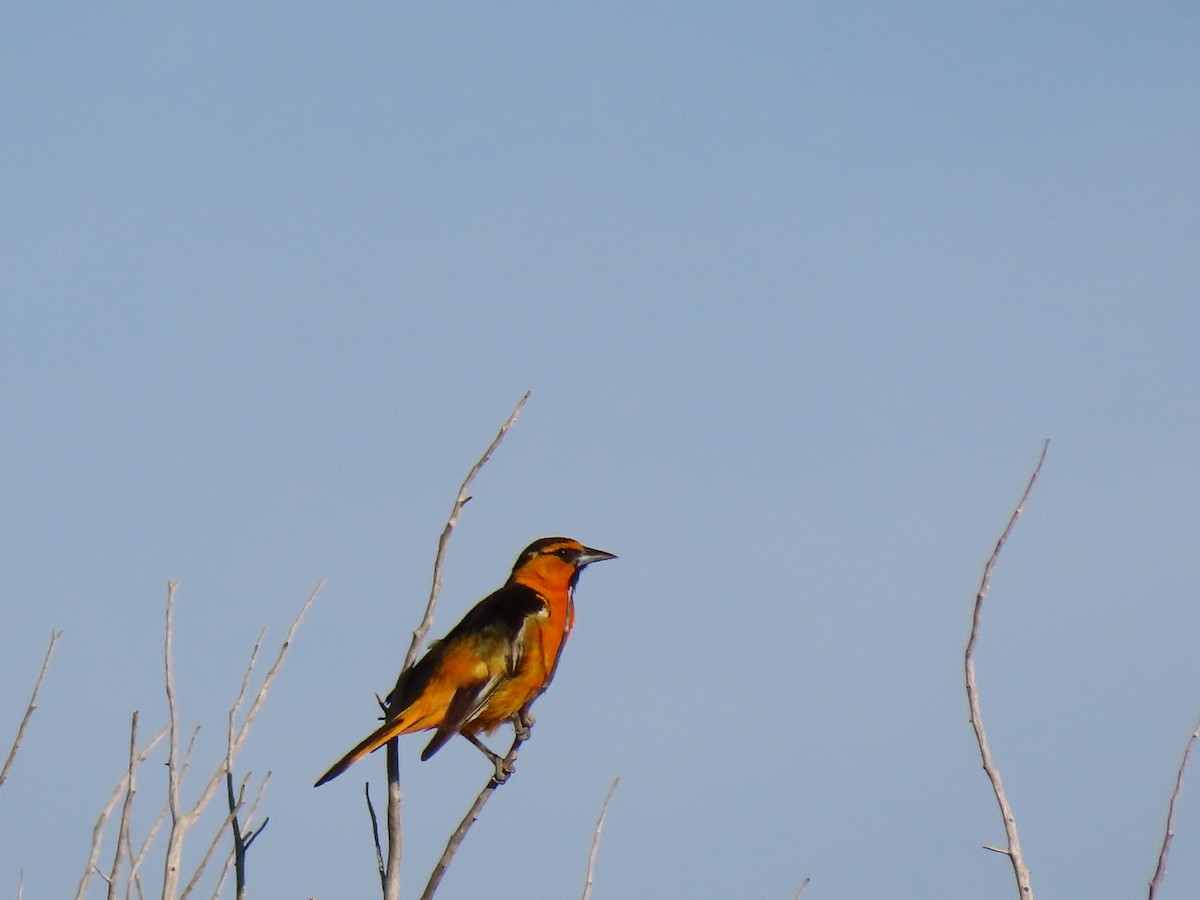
493 663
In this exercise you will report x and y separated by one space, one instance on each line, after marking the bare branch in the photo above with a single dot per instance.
375 835
102 819
241 695
37 686
460 501
504 768
800 890
208 855
181 820
591 866
1020 870
135 877
174 775
241 839
1160 870
395 824
274 670
391 877
123 841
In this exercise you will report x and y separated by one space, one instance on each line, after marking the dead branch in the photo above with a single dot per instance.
102 819
37 686
504 769
182 820
124 847
459 502
375 835
395 824
209 852
591 866
242 839
391 872
1013 851
1160 870
135 876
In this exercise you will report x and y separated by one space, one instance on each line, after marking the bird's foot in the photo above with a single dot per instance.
522 724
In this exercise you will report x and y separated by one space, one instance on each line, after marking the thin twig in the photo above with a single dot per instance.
241 695
591 866
250 835
102 819
1020 870
134 881
391 878
238 852
1160 870
507 765
800 890
175 836
242 839
181 820
135 876
124 847
37 686
209 852
375 835
459 502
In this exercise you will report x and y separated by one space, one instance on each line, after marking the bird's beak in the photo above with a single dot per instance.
587 556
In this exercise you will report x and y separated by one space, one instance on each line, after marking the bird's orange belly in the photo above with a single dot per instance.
511 696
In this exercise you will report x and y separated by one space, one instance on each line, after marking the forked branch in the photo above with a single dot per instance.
98 829
390 870
182 820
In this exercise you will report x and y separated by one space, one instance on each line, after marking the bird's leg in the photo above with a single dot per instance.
503 767
483 748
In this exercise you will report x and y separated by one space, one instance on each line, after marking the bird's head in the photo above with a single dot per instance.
555 561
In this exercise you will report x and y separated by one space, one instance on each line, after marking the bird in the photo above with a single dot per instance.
494 663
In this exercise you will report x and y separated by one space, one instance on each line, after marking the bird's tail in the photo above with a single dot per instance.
369 744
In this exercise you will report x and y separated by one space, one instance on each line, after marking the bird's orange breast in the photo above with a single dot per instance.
541 640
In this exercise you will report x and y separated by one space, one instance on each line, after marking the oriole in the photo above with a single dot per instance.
493 663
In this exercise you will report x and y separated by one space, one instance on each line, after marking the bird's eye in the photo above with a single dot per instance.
566 554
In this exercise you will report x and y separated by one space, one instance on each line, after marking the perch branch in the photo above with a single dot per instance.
459 502
1013 852
391 875
504 769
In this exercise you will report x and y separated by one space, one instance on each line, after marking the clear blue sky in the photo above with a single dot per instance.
799 290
